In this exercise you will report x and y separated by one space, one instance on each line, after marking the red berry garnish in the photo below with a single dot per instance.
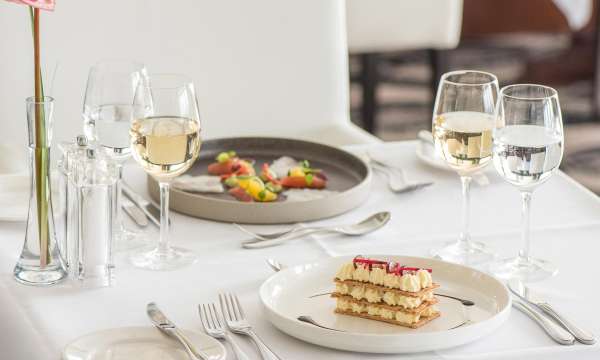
369 262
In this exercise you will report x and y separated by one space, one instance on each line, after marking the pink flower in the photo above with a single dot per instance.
40 4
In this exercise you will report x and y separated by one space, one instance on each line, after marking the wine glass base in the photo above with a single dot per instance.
525 270
173 258
466 253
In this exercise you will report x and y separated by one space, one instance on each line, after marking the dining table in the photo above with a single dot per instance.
38 322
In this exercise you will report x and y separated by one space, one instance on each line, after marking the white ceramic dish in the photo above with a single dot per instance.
286 295
146 343
348 176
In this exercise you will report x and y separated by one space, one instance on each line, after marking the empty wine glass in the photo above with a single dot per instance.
165 141
527 150
107 113
462 130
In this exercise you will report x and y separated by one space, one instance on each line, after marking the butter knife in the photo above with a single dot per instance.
523 292
551 328
151 210
135 213
168 327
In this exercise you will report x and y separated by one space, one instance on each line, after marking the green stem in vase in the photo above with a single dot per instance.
41 151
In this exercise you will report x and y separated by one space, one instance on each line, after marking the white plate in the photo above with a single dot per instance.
146 343
286 295
426 153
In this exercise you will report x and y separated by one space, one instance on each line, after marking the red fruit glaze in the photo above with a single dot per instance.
391 268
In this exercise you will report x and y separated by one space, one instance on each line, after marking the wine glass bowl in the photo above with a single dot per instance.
165 146
527 150
462 125
107 107
165 140
107 113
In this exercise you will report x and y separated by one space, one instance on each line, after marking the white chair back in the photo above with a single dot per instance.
393 25
261 67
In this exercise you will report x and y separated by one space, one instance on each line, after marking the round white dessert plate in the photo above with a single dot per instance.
146 343
426 153
290 293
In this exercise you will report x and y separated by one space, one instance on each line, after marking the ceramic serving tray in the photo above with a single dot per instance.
348 175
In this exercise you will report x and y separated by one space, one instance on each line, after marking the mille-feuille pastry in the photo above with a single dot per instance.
385 291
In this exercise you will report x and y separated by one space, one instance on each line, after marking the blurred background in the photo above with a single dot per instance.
399 49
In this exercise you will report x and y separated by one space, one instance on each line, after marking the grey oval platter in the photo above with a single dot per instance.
346 173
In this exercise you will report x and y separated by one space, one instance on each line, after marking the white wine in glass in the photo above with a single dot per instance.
465 139
165 146
165 141
462 127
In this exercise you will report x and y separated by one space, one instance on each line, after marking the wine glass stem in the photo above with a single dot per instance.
525 220
465 237
163 241
118 220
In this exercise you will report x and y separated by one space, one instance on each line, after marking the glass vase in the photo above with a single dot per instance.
40 262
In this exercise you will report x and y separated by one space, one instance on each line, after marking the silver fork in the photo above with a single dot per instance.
214 327
236 322
397 181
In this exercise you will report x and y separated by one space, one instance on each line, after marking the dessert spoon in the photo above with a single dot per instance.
366 226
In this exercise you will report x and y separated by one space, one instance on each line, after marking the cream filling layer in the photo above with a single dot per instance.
360 292
378 276
387 314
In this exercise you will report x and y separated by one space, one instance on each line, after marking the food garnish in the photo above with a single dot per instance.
240 176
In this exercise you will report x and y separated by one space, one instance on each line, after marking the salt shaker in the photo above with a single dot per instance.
94 181
70 152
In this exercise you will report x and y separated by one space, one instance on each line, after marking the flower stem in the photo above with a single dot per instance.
41 149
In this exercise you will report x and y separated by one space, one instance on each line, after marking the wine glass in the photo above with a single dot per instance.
462 129
527 150
165 141
107 114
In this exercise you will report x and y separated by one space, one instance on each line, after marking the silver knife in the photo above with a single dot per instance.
523 292
165 325
135 213
551 328
151 210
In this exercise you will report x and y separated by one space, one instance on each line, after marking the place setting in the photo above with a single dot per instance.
159 232
402 304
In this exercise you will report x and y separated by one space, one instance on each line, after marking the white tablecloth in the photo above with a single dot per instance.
36 323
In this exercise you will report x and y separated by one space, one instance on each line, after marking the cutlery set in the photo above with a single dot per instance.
139 209
559 328
396 178
231 319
